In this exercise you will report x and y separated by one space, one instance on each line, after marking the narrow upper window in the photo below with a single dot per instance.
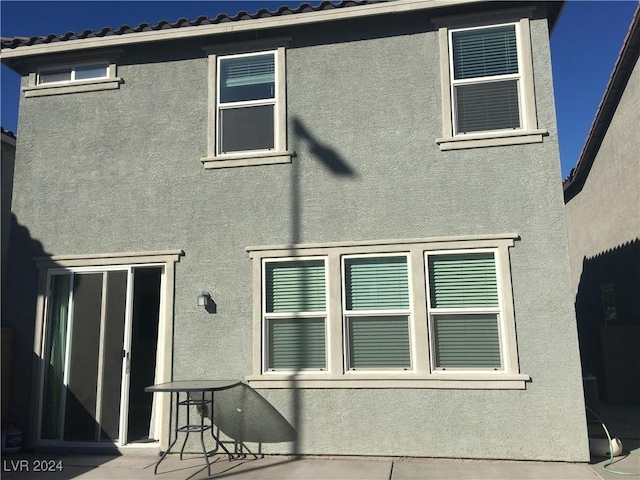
464 311
247 102
485 79
376 312
294 315
73 73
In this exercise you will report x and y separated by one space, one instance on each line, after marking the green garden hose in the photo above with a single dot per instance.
611 456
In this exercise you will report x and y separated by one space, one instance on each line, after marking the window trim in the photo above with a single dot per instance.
528 131
421 375
109 82
279 154
502 286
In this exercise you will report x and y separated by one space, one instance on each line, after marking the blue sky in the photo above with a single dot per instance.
584 47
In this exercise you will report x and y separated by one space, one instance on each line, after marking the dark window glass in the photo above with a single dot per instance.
487 106
246 128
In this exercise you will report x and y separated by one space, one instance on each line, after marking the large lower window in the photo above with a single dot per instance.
294 315
376 295
464 310
414 314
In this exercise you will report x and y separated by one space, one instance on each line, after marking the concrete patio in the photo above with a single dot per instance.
137 466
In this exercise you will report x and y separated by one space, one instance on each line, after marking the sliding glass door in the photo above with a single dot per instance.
89 350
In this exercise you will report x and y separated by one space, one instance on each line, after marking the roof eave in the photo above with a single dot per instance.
397 6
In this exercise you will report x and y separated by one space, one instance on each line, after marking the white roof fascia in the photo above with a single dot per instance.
395 6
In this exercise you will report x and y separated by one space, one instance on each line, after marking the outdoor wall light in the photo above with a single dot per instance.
204 299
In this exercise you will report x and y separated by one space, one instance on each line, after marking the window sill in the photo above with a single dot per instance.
247 159
487 381
491 139
74 87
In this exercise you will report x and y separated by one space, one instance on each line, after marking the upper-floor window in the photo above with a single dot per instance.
72 73
247 104
485 79
77 73
488 95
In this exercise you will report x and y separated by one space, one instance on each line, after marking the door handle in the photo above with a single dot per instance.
128 360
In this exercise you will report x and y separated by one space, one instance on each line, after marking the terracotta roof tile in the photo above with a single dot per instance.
181 22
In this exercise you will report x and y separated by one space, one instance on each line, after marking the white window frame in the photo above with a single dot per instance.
528 131
422 375
220 106
487 79
72 72
279 154
374 313
267 316
498 311
107 58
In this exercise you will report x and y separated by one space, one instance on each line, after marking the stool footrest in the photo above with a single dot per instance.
194 428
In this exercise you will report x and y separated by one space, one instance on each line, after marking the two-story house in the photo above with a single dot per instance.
353 207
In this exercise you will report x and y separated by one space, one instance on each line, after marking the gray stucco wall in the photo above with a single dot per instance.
122 171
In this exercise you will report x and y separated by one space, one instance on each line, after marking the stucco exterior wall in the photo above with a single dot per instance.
606 212
122 171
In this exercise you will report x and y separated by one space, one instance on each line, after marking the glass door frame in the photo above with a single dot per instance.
125 377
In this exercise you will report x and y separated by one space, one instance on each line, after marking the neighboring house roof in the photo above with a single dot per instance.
8 136
20 47
625 63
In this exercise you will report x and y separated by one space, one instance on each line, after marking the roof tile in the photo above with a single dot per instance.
182 22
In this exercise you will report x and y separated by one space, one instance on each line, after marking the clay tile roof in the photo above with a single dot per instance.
181 22
8 133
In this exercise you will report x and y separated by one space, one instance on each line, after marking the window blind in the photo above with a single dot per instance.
467 340
379 342
295 286
249 70
297 343
487 106
376 283
484 52
463 280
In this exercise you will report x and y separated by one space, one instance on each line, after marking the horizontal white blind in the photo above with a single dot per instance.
248 70
376 283
484 52
297 286
487 106
468 340
463 280
381 342
297 343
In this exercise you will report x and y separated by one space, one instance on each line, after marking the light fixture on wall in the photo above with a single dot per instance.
204 299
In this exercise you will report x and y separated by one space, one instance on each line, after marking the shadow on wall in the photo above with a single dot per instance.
608 317
243 415
19 294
